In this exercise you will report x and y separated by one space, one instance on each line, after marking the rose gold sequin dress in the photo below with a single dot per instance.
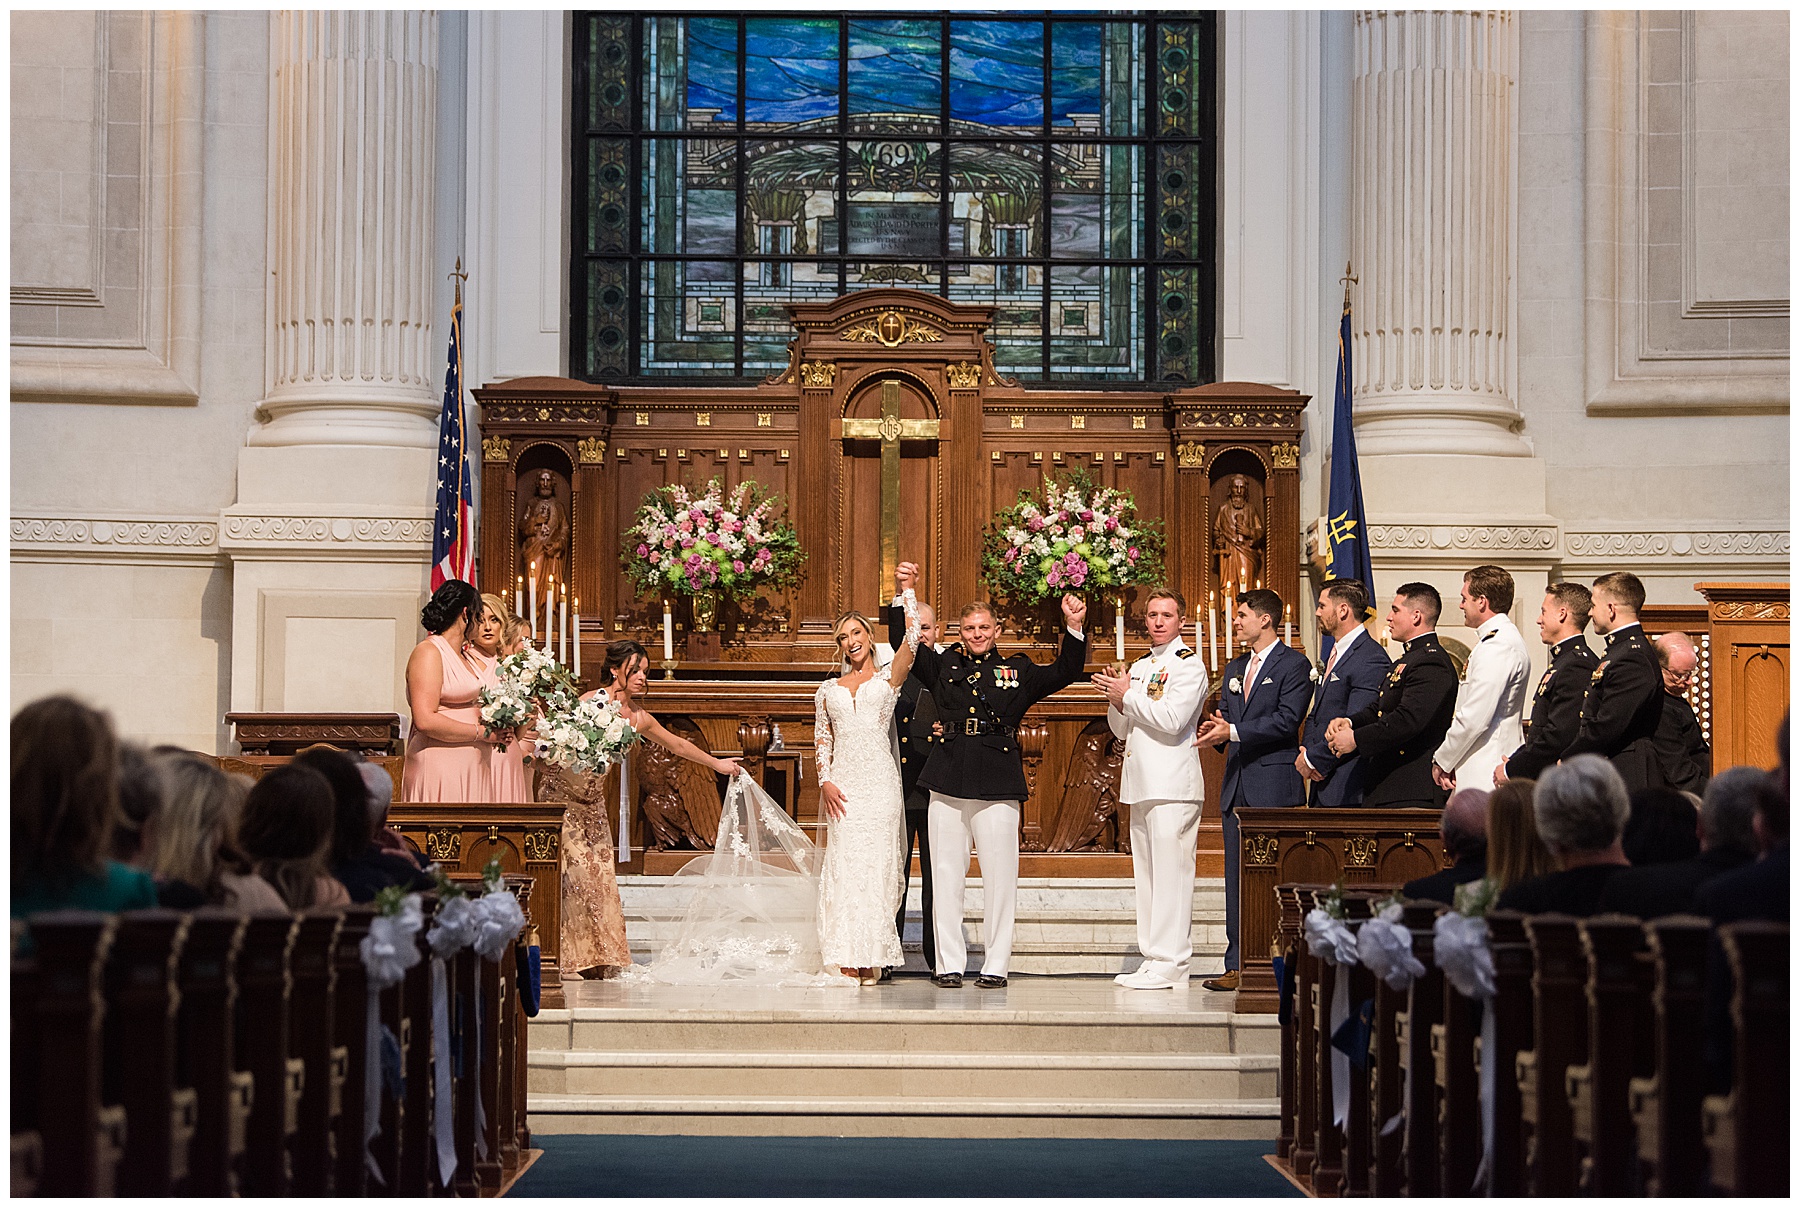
593 916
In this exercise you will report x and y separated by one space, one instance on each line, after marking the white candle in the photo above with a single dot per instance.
519 598
534 628
1119 631
1287 627
1212 636
668 633
562 637
1196 629
578 638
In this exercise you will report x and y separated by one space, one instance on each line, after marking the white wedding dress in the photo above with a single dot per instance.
862 878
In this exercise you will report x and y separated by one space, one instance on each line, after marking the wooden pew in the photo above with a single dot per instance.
466 1037
312 1028
1327 1137
350 1176
205 1023
1559 1031
418 1152
1665 1105
1599 1088
1747 1130
1287 943
83 1139
27 1141
1306 1044
1357 1133
140 1055
516 1139
1456 1074
263 1050
1424 1010
1387 1090
1512 1036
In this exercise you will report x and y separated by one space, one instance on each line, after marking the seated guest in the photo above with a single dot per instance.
1727 841
1663 828
1514 851
140 797
363 868
65 801
286 835
381 798
195 857
1464 830
1580 808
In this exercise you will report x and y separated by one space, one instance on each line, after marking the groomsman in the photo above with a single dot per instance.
976 775
1398 734
1349 682
1490 702
1258 724
1154 707
1556 705
914 713
1623 704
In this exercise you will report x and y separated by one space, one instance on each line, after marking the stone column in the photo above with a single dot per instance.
1434 132
1449 481
352 175
330 535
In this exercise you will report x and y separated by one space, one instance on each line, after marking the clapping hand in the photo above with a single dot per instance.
1213 731
1113 686
1074 610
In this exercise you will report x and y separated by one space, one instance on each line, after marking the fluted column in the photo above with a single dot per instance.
352 130
1433 205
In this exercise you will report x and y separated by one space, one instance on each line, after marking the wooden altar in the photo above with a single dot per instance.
890 396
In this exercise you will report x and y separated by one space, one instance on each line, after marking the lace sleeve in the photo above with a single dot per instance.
822 733
911 603
908 649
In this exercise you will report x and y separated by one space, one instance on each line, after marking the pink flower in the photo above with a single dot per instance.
737 566
1132 553
1077 533
1112 523
1079 577
687 543
1087 513
643 551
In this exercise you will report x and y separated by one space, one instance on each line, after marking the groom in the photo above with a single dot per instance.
976 774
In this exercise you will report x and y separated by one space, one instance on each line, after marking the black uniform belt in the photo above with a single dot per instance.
972 727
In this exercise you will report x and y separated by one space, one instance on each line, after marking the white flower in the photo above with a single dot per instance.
1329 939
1236 684
1313 674
499 919
452 927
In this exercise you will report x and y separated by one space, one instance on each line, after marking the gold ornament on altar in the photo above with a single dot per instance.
964 375
818 375
1359 851
891 329
592 450
495 448
1260 849
1193 454
1285 456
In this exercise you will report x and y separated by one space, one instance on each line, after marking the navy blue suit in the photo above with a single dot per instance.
1259 766
1353 685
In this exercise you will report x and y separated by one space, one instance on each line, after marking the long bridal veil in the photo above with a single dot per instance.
748 911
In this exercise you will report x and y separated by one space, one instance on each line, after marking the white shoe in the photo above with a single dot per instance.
1148 979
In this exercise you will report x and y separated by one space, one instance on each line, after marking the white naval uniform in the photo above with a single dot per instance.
1161 783
1490 705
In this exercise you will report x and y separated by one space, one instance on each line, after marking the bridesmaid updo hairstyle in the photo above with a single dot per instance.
618 655
454 599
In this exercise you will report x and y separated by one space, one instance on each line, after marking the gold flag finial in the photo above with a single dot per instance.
459 277
1348 281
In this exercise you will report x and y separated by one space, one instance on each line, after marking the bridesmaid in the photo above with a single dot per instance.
593 917
448 751
506 765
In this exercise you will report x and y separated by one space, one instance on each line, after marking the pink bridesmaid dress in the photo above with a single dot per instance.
450 771
510 773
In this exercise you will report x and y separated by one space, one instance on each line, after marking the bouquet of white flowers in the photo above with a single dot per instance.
585 736
529 682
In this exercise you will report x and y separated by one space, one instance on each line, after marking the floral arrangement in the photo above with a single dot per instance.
1078 537
529 683
586 735
718 542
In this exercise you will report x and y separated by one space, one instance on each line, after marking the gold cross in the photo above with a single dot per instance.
891 328
890 430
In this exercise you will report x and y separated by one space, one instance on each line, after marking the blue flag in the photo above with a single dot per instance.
452 534
1345 523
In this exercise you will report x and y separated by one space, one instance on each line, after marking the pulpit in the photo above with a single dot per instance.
893 435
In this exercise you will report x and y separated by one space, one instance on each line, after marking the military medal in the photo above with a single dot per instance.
1154 689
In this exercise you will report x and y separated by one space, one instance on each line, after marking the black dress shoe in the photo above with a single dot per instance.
887 975
949 981
988 981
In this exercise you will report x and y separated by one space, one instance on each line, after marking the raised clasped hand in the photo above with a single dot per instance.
906 576
1074 610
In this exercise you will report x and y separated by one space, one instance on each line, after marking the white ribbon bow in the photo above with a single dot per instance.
1385 949
1461 951
499 919
1329 939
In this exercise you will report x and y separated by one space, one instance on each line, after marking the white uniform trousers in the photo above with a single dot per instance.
994 826
1163 838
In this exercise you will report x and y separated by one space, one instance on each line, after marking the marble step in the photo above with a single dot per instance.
1186 1119
636 1074
996 1030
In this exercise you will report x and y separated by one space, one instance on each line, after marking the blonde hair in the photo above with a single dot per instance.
846 618
499 607
1514 850
196 829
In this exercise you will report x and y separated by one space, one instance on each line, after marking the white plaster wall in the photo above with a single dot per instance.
139 622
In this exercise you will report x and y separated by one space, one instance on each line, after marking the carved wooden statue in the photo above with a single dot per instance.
681 799
1238 538
1089 819
544 533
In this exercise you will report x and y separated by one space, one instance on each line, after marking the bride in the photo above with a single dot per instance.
767 907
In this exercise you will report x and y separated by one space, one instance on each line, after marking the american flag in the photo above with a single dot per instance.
452 533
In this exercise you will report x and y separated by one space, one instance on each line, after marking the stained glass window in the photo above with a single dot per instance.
1059 169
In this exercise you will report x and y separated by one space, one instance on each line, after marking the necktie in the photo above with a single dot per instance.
1336 649
1250 674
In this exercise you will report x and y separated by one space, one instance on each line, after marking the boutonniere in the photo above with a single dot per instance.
1236 684
1312 673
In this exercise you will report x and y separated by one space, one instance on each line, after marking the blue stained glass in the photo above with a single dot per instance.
895 67
997 73
712 66
1074 71
790 70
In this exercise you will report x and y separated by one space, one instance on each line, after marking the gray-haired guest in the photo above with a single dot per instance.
1464 831
1727 841
1580 809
